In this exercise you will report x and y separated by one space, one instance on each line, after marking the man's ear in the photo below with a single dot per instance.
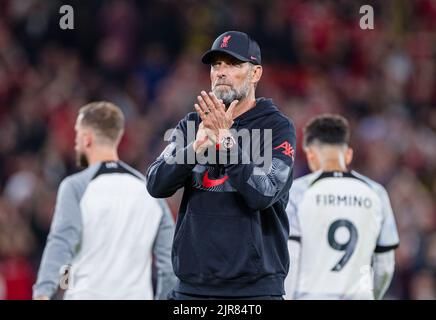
312 159
88 138
348 156
256 73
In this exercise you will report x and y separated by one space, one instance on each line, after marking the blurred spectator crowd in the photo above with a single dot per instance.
145 57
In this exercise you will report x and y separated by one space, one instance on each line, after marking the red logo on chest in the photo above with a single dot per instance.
209 183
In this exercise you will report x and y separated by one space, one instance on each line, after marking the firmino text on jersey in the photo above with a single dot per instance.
343 200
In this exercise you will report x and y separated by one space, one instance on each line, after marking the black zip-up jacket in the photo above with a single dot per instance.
232 228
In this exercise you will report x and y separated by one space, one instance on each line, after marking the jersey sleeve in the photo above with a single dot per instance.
388 238
166 280
170 171
62 242
296 195
292 212
262 189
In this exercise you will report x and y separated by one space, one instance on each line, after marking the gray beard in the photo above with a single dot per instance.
227 96
81 160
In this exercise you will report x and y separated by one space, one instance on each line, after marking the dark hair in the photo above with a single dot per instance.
105 118
327 129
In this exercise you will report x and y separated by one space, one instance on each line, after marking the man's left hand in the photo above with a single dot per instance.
215 117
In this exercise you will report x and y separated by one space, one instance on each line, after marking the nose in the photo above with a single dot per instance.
221 74
221 71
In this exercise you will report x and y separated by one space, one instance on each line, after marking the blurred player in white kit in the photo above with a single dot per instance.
343 232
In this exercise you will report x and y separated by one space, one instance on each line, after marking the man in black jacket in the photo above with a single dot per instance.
232 229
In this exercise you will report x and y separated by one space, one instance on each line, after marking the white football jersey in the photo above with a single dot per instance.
341 219
105 231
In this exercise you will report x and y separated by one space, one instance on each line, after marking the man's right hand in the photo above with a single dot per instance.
202 141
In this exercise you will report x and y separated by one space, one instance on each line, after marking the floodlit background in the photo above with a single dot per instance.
145 57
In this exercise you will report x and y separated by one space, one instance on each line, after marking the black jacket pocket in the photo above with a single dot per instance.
214 248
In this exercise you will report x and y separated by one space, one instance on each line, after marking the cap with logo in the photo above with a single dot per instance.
237 44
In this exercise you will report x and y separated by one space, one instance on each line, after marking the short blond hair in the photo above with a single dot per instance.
105 119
